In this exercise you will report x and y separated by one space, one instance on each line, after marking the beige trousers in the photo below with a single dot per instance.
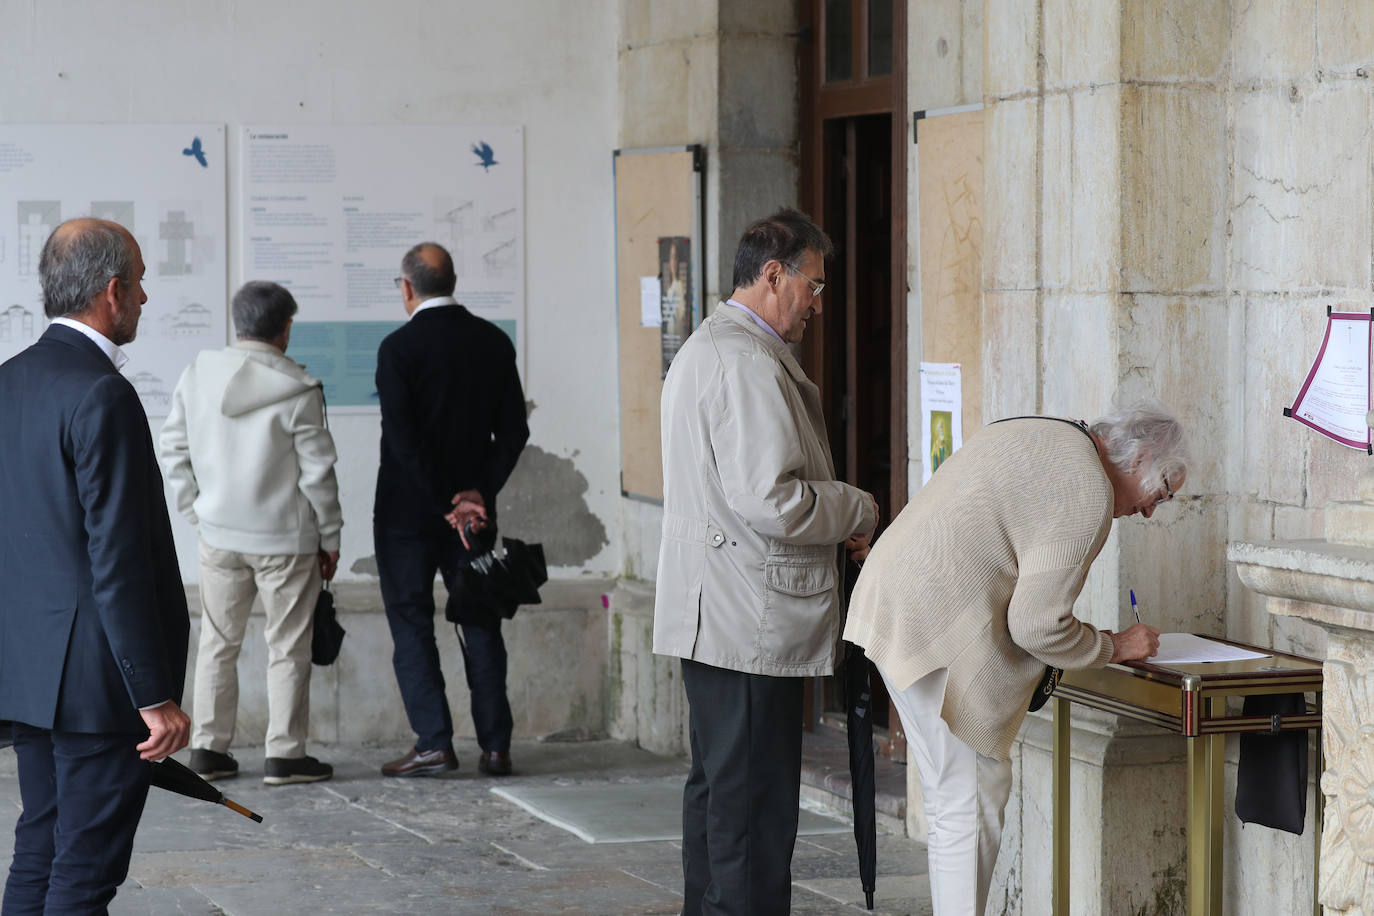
288 586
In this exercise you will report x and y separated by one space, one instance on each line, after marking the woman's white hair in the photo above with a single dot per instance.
1144 432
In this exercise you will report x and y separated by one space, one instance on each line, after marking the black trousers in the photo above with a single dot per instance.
739 808
83 795
406 563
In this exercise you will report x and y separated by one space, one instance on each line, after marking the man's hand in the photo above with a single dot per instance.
469 512
169 729
858 546
329 564
876 515
1139 642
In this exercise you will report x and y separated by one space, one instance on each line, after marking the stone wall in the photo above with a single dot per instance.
1176 189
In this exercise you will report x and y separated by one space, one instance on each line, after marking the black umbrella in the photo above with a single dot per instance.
504 581
176 777
859 724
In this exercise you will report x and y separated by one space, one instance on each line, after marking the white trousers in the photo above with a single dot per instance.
288 586
965 795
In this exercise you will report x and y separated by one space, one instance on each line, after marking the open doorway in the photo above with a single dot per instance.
854 186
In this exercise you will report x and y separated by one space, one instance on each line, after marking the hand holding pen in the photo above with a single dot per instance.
1136 642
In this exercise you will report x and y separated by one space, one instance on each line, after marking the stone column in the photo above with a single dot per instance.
1106 172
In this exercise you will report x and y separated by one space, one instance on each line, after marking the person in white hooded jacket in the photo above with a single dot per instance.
250 462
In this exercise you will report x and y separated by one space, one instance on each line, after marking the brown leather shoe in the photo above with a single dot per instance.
422 763
494 763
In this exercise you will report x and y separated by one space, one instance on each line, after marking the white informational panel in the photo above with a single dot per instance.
329 210
1335 398
165 184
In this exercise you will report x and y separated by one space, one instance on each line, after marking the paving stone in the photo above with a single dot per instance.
364 844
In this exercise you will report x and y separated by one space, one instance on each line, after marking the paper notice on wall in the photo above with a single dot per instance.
650 309
1335 398
162 182
942 427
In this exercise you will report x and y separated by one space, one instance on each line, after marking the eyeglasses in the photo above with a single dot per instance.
815 287
1168 495
397 281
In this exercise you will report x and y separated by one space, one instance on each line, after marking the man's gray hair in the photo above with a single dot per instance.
262 310
427 281
1144 432
77 264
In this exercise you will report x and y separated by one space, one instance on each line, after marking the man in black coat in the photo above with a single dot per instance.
93 625
453 425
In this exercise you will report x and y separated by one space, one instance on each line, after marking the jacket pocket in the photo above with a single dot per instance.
796 626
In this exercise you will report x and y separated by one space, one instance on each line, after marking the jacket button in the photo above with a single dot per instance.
716 539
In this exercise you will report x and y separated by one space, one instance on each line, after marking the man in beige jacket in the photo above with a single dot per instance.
748 592
251 463
969 594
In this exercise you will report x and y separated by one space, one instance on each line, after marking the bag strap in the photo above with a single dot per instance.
1079 425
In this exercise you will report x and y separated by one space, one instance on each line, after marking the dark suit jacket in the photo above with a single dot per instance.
93 620
453 416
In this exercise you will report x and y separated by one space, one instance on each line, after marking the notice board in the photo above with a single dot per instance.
949 156
658 212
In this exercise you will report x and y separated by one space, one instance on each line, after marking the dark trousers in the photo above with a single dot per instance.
739 808
406 563
83 795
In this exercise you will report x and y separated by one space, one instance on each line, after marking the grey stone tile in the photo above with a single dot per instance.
132 900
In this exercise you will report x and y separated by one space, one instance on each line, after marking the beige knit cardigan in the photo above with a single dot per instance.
980 571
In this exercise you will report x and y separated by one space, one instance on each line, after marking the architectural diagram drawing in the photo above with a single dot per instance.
116 211
498 261
190 320
152 391
499 221
176 235
37 220
18 325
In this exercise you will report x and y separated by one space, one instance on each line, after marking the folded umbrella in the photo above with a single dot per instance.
176 777
859 726
509 579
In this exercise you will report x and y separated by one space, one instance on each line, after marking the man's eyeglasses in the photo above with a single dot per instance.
815 287
397 281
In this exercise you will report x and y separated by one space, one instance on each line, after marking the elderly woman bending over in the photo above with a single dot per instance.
969 595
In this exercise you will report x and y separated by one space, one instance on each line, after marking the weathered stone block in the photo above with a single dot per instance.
936 46
1168 40
1176 562
1175 348
1084 325
1009 344
652 22
748 119
1012 43
1301 159
1082 43
1333 470
755 17
1174 169
753 183
1011 225
1345 35
1081 198
1283 336
1273 39
654 83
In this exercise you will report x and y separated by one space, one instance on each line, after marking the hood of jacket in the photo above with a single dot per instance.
252 375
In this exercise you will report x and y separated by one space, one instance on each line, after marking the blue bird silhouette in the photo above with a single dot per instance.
195 150
484 153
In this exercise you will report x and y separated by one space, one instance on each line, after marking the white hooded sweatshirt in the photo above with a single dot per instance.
248 456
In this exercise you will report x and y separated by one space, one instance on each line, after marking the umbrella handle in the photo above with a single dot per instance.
235 806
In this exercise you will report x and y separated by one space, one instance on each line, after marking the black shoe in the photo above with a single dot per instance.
422 763
210 765
494 763
281 771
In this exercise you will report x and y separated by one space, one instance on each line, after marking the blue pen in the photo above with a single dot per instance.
1133 607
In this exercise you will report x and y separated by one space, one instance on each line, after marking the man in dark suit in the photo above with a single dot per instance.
93 625
453 425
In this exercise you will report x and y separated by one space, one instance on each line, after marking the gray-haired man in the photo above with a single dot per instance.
252 466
